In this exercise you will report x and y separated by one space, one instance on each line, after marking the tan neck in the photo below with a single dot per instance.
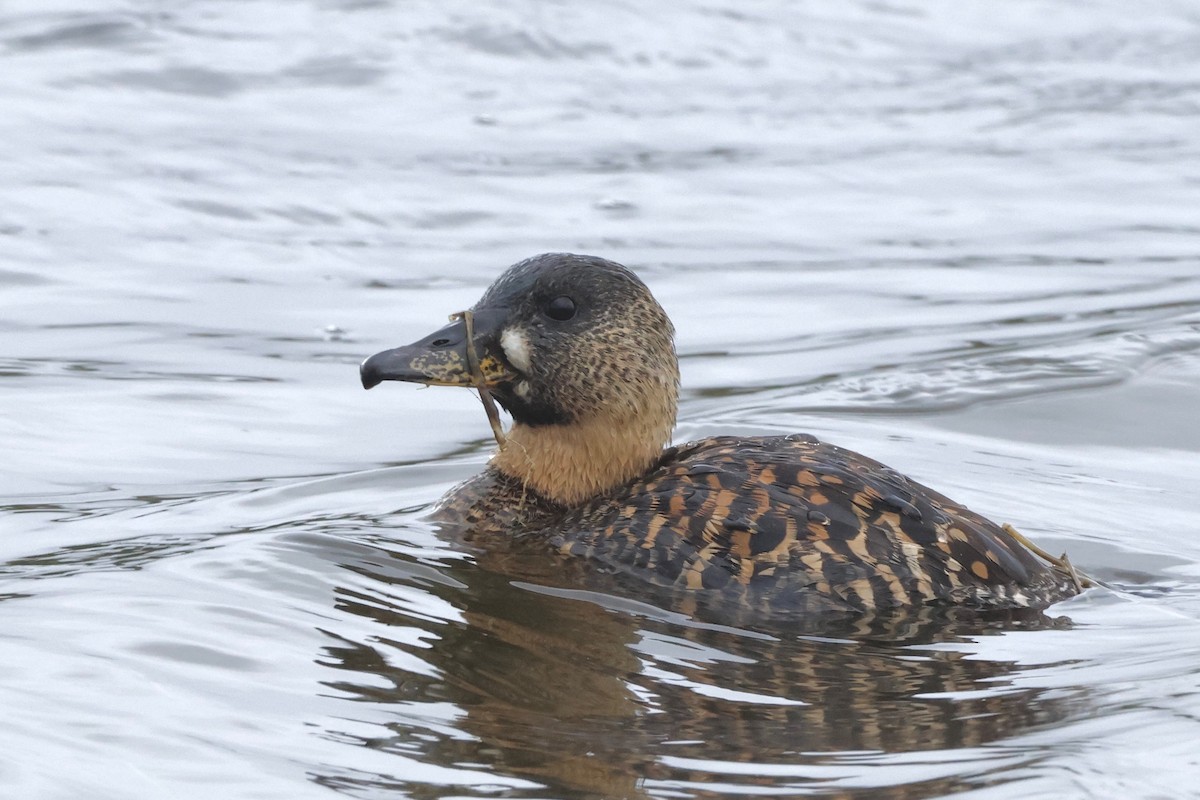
573 463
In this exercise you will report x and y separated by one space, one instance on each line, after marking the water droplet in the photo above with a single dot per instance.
906 509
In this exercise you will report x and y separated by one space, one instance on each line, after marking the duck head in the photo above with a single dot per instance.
579 353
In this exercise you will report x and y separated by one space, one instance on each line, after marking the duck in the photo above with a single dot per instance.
582 357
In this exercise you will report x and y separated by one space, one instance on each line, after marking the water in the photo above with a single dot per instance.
959 238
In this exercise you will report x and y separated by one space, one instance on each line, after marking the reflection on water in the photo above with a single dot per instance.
961 240
593 700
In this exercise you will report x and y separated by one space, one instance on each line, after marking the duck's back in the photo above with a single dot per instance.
791 523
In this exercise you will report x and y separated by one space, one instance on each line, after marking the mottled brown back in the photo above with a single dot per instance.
777 524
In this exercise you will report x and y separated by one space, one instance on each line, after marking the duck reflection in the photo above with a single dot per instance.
587 695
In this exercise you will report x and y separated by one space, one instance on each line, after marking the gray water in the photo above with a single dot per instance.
962 238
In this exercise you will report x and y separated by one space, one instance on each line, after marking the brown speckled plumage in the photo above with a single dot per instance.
774 524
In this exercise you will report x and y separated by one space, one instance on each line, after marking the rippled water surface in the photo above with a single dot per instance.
963 238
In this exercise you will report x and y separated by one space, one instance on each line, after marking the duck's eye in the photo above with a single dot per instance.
561 308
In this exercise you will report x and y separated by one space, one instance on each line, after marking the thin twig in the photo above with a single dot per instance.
476 373
1062 562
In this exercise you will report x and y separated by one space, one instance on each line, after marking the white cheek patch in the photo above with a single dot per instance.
516 349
